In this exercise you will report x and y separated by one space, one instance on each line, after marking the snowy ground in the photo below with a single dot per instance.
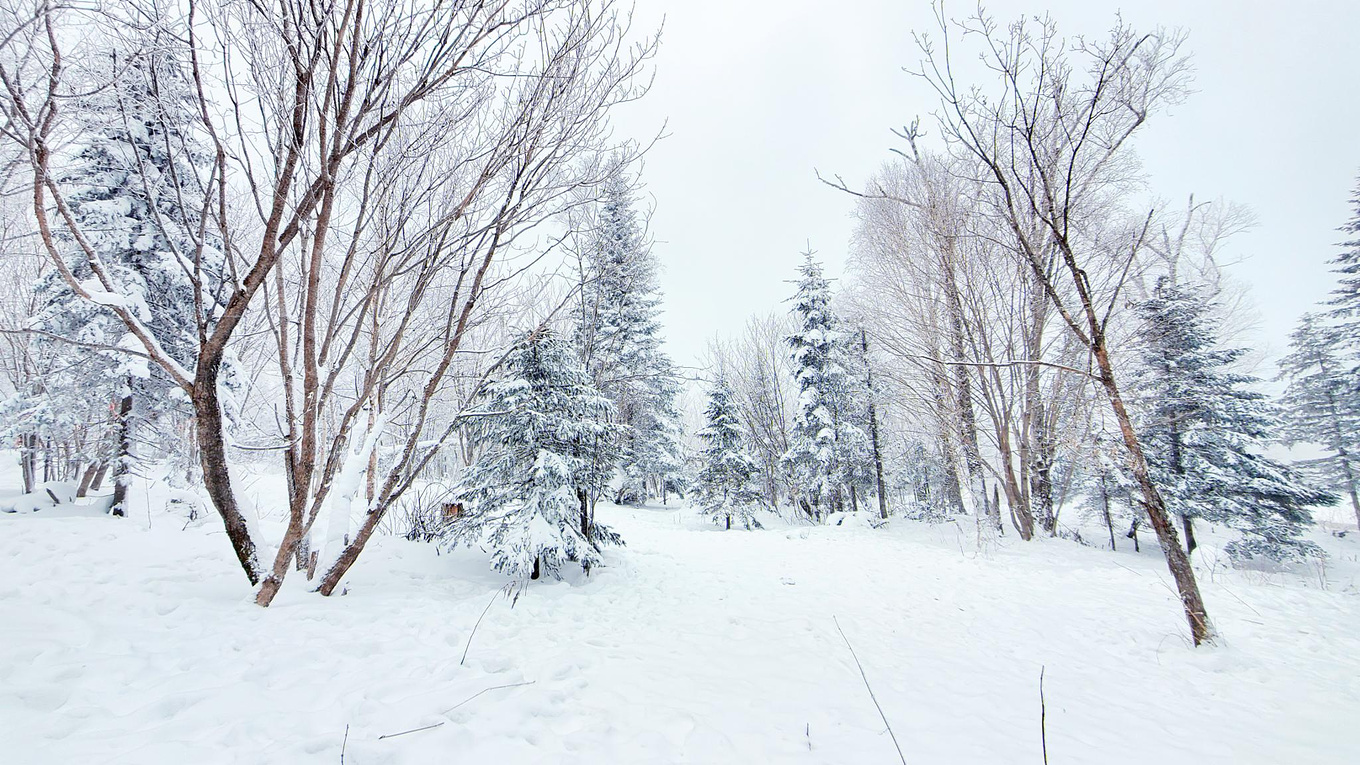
134 641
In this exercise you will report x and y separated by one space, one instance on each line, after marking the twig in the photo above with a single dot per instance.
485 690
871 690
473 634
343 744
413 730
1043 715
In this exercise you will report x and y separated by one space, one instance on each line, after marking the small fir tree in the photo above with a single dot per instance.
544 441
725 487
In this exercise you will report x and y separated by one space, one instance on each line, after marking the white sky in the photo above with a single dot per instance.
758 94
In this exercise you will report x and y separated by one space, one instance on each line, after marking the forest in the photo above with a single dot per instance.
354 310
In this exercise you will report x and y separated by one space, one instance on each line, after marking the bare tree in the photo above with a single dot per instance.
372 161
1049 144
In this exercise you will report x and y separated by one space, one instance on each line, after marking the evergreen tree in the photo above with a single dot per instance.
725 487
1322 405
133 178
1346 297
1205 429
618 331
829 451
545 442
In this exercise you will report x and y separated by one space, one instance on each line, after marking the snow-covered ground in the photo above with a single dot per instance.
134 641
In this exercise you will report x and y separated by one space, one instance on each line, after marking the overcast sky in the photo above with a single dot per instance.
757 94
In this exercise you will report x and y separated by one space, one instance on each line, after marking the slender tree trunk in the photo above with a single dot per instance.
584 499
1188 524
1105 507
1177 561
873 430
212 454
122 468
99 475
28 462
86 478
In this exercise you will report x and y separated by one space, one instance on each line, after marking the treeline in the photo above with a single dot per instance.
307 235
1047 348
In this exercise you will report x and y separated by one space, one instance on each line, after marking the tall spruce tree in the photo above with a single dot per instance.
829 451
1322 404
725 487
545 440
618 332
133 175
1205 431
1345 300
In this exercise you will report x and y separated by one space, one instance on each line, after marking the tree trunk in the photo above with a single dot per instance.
98 480
87 478
28 461
212 454
1188 524
122 466
873 428
584 499
1176 559
1105 506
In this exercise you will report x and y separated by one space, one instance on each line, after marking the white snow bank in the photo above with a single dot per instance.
128 644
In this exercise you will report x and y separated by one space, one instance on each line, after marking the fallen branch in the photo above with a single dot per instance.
485 690
473 634
865 677
413 730
1043 714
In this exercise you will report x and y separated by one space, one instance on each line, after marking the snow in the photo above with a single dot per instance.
134 640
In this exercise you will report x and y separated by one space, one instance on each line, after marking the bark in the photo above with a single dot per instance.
1105 507
1177 561
584 499
212 454
28 460
122 467
99 476
1188 524
86 478
873 431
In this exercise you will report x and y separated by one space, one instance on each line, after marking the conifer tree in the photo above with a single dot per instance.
1322 404
725 487
130 172
828 448
618 332
1205 430
1346 297
544 441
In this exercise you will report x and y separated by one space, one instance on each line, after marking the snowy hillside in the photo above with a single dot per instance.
135 641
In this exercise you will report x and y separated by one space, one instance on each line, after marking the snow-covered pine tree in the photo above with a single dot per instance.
1322 404
618 332
544 441
1345 300
828 448
725 487
134 174
1205 432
